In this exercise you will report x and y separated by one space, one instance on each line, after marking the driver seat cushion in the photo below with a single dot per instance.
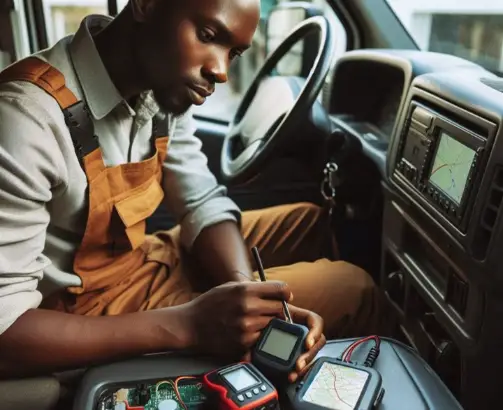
40 393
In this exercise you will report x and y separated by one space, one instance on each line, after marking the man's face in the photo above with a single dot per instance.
185 47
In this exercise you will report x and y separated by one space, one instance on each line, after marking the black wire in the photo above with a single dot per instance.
371 357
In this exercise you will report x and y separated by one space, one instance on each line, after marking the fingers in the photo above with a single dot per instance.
252 324
313 322
269 290
305 361
309 356
256 306
248 340
315 339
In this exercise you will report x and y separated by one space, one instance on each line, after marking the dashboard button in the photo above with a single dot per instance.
255 391
263 388
248 394
241 398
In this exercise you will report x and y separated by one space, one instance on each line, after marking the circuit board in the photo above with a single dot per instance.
170 394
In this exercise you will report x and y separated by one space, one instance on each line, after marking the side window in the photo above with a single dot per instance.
7 48
460 28
63 17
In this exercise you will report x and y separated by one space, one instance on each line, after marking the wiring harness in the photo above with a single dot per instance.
372 354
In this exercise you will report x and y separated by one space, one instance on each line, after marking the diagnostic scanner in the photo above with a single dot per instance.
241 387
278 348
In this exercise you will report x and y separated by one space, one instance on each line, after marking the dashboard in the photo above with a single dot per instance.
432 124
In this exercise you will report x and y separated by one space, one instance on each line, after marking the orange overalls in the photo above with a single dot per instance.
121 271
124 270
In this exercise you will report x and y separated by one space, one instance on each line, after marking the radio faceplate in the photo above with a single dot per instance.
439 160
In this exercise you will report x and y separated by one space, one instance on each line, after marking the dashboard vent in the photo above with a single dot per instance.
489 217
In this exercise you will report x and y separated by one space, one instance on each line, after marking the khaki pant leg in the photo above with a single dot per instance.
342 294
287 234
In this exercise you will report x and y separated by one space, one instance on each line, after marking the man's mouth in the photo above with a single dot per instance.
198 94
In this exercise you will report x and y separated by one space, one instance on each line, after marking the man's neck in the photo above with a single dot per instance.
114 47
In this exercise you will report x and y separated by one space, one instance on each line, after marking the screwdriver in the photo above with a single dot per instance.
261 273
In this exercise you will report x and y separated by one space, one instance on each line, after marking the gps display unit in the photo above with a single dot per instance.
440 160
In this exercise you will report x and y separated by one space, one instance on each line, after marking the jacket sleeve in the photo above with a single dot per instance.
29 172
192 192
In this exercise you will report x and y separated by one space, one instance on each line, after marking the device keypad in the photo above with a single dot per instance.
250 393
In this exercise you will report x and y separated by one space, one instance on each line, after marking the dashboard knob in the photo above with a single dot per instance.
395 287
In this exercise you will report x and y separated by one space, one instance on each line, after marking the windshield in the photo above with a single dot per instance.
471 29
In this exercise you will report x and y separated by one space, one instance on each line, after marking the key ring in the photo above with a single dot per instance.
327 187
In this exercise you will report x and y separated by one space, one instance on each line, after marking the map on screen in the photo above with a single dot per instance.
451 167
336 387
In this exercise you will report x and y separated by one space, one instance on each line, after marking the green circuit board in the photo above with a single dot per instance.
159 395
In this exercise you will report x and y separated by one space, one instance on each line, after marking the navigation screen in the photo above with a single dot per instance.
336 387
451 167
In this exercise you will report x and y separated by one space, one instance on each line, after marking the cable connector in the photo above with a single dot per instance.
371 357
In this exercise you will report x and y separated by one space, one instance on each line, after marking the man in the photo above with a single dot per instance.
80 282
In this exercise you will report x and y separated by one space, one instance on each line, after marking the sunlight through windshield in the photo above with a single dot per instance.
464 28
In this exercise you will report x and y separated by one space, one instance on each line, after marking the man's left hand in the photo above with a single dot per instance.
315 339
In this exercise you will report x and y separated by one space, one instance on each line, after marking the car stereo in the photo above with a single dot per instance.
440 160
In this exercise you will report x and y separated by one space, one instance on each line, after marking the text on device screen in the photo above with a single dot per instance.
279 344
240 379
451 167
336 387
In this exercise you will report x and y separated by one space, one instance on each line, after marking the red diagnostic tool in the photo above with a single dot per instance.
241 387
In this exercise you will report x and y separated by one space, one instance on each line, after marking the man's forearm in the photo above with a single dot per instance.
222 253
43 341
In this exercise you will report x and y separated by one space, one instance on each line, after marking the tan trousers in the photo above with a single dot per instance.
290 239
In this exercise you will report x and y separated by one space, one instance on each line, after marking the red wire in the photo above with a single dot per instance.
346 355
352 349
128 407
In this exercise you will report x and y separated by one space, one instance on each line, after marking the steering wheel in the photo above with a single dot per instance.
268 112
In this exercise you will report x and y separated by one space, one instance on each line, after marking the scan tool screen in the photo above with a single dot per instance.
240 379
279 344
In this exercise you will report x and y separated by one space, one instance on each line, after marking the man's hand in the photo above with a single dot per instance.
228 319
315 339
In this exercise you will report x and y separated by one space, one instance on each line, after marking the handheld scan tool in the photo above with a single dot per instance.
281 343
336 385
241 386
279 347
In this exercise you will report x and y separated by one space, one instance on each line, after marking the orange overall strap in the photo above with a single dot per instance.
42 74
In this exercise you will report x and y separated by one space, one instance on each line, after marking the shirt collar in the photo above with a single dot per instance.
99 91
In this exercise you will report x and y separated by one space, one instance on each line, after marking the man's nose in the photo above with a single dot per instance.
216 67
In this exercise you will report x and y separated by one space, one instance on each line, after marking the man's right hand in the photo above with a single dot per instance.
227 320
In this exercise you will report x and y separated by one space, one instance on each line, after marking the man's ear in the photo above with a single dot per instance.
142 9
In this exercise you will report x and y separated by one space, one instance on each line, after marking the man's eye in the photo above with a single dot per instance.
206 35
